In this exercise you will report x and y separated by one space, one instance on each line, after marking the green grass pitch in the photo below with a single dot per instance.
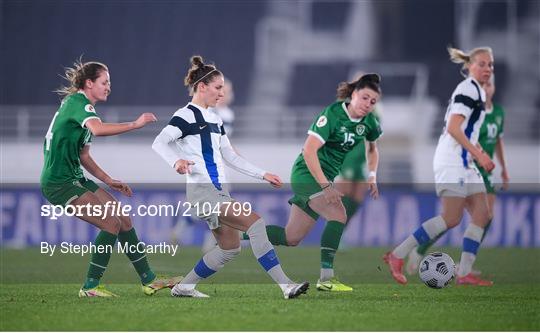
40 293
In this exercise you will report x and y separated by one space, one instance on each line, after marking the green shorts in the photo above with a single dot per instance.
304 187
490 189
354 164
64 194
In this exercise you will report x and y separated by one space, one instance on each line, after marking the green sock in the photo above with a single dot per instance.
136 255
485 231
351 206
276 235
330 239
100 259
422 249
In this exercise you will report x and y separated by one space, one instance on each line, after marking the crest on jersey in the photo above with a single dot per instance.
89 108
360 129
322 121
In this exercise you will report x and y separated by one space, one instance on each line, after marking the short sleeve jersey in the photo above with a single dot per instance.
492 129
65 138
339 134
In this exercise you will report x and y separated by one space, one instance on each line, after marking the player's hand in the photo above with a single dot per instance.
332 195
121 187
144 119
505 179
373 188
183 166
274 180
485 162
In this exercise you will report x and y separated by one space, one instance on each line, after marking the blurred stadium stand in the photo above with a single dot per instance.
285 59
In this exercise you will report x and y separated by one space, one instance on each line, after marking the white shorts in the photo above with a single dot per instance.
205 201
458 181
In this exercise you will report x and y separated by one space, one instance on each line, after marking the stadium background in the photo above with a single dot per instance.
285 59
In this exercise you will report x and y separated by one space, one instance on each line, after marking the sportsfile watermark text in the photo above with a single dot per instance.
117 209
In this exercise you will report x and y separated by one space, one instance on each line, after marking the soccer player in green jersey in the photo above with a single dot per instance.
491 142
339 129
66 148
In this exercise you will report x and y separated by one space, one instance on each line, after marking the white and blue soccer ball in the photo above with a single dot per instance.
437 270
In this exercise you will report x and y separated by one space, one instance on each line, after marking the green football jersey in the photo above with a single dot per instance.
340 135
492 128
65 138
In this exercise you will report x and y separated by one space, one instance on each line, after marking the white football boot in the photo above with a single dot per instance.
294 290
180 290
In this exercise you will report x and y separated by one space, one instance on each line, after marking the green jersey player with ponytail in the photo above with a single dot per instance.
66 149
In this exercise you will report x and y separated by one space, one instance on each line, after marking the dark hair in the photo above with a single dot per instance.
78 74
371 81
199 72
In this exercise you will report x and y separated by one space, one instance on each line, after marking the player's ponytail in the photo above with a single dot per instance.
78 74
371 81
458 56
199 72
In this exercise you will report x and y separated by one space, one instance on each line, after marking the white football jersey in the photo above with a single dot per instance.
196 134
468 100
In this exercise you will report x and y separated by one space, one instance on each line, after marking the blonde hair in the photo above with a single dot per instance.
458 56
78 74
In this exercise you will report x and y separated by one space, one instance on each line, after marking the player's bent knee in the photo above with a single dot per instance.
452 221
293 241
112 225
228 255
126 223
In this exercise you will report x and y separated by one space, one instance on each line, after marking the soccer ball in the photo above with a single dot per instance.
437 270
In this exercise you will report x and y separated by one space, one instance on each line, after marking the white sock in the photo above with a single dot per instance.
265 253
430 229
471 242
327 274
210 263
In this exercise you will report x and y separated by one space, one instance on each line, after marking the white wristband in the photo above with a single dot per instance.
372 174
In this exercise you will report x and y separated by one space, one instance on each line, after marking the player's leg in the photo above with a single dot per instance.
416 255
301 220
452 211
477 206
106 239
255 227
336 218
128 239
227 248
491 197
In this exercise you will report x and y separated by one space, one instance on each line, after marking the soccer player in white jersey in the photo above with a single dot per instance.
458 182
194 143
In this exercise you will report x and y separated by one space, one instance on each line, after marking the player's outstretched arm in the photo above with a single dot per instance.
99 128
239 163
